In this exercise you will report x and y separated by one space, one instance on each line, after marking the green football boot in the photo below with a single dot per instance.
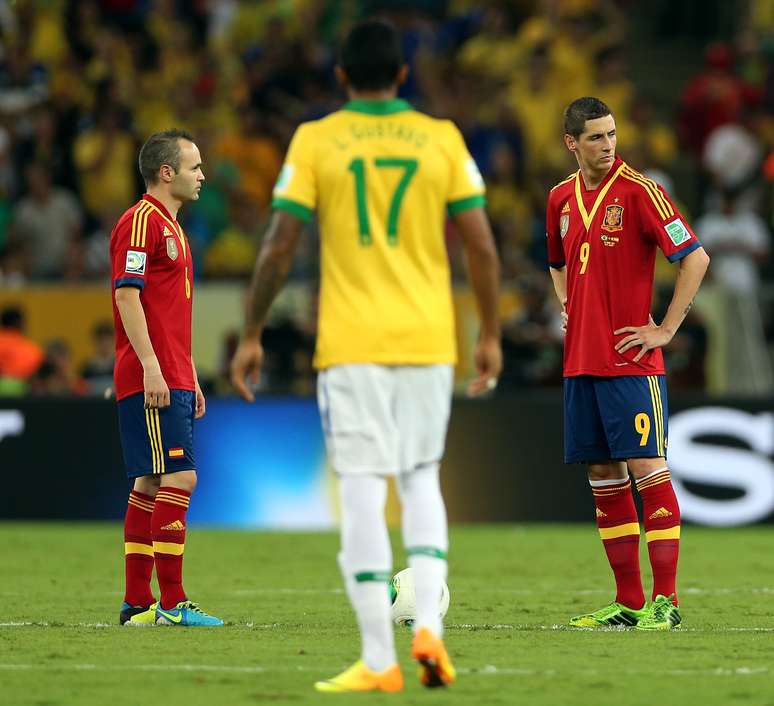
662 614
614 615
137 616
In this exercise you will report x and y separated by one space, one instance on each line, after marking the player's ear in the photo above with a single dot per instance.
402 76
166 173
569 140
341 76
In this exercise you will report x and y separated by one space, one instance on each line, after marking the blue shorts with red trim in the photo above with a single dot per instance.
157 441
614 418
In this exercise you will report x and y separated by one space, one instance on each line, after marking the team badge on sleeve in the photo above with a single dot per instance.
135 262
613 220
677 232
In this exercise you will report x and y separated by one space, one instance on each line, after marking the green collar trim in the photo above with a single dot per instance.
388 107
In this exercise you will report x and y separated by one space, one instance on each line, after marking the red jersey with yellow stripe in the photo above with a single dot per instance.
149 250
607 237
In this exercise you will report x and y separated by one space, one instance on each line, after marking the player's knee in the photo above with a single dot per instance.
607 471
147 485
185 480
641 467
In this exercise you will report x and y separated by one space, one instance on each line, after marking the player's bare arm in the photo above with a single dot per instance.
484 268
133 319
559 278
692 269
201 403
271 270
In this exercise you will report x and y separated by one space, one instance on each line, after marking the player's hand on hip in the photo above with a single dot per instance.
201 404
246 365
647 337
156 390
488 358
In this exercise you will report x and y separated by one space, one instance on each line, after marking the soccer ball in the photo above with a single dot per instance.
404 601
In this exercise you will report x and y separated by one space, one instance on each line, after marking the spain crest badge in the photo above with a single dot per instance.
613 220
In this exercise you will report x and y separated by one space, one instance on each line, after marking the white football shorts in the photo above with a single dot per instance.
384 419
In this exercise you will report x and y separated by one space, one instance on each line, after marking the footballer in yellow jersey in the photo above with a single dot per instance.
382 178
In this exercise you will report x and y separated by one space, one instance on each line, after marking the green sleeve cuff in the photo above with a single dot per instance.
455 207
294 208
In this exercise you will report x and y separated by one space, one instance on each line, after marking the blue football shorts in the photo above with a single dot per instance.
614 418
157 441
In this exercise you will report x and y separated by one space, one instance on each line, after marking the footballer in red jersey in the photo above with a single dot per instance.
156 384
605 225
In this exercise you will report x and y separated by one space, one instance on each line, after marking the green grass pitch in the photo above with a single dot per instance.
288 622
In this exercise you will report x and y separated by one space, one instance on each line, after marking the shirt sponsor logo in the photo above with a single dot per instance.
167 232
564 224
172 251
613 220
285 175
677 232
566 207
135 262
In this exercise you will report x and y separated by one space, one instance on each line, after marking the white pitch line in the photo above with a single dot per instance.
478 627
487 670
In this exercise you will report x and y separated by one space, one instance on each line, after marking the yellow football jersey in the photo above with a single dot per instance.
381 177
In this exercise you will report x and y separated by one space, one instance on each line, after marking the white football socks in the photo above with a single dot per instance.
366 564
426 538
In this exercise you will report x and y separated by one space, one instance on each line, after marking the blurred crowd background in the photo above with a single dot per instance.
84 82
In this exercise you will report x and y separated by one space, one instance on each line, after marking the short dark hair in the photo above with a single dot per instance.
159 149
371 55
12 317
579 111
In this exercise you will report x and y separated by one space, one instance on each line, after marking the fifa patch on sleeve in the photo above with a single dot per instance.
135 262
677 232
285 175
474 175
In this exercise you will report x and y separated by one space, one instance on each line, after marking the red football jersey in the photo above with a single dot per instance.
608 238
149 250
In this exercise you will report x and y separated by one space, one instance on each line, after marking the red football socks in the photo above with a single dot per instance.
661 517
138 550
168 526
620 534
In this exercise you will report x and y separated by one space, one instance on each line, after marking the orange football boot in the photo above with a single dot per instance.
435 667
360 678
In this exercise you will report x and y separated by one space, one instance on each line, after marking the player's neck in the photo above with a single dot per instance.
592 178
169 202
385 94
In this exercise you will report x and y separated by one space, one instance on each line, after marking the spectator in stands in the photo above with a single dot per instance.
738 241
97 371
105 157
714 97
534 95
256 155
56 375
532 339
46 224
46 146
7 180
23 83
20 356
233 251
732 158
